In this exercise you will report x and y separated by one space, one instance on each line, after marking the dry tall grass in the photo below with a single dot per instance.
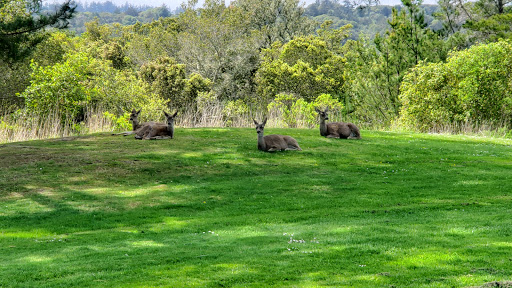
18 127
15 127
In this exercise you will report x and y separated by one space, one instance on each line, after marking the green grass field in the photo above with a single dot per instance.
207 209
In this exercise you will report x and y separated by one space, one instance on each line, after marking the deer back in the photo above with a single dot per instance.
275 141
344 130
280 142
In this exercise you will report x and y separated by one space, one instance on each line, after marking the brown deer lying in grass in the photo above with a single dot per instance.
158 130
274 142
337 129
134 118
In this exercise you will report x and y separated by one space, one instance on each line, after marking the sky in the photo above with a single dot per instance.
173 4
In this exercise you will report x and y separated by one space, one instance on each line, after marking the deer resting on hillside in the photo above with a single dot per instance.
158 130
337 129
274 142
134 118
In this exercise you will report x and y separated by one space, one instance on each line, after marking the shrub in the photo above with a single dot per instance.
234 112
296 112
472 87
80 83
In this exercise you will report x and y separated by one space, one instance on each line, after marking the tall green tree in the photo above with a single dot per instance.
470 22
305 67
20 22
472 88
215 44
407 42
277 20
375 72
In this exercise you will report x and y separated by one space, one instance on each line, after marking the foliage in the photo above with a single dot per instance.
304 66
214 42
168 79
473 86
492 28
68 88
277 20
20 23
60 87
121 122
470 22
115 53
234 111
367 20
375 72
296 112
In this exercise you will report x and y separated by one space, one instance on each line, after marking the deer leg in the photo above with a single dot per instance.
160 137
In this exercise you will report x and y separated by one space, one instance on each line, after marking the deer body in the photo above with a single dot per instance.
274 142
337 129
155 131
134 118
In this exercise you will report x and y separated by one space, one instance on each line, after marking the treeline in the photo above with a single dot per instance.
109 13
252 58
367 20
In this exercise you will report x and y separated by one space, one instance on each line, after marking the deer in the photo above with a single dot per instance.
134 118
337 129
274 142
157 130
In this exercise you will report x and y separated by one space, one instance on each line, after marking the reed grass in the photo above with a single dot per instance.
16 126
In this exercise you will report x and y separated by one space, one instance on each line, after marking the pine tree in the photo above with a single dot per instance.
21 23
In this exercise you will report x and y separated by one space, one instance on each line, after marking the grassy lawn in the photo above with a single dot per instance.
207 209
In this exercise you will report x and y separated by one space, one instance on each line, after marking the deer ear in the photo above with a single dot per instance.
264 121
327 109
255 122
175 113
317 110
138 112
166 115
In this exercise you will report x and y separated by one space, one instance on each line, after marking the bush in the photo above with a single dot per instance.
234 112
472 87
296 112
80 83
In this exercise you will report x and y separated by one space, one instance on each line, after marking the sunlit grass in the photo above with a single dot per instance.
207 209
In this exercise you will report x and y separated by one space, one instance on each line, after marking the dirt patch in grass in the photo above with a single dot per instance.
504 284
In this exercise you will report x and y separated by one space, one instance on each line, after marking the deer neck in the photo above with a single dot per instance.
261 142
170 129
135 125
323 127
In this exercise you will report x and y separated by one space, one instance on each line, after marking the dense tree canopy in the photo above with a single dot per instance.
247 58
20 20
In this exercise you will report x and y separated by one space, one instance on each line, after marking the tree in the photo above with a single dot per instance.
277 20
169 80
214 43
407 42
21 20
469 22
79 82
305 67
472 87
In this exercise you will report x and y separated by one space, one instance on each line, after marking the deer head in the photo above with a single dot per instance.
323 114
134 115
260 127
134 118
170 118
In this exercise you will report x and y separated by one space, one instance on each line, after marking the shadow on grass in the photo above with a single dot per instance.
213 211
